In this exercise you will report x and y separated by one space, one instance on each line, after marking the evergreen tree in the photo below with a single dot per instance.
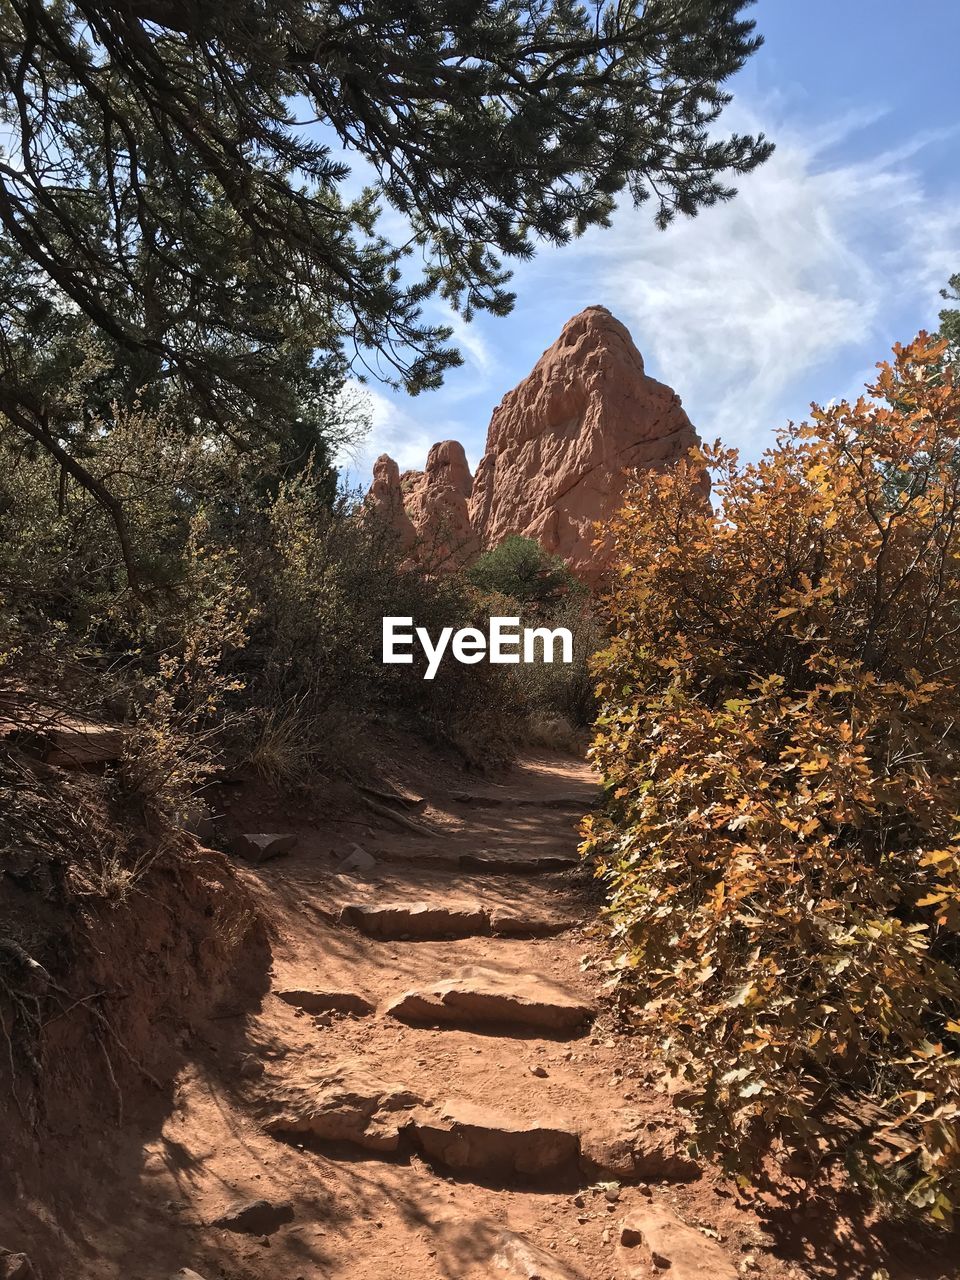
167 202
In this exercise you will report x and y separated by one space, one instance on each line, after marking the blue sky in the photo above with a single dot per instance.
832 251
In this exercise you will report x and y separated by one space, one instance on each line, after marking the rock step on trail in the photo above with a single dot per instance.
431 920
474 997
566 804
318 1002
514 862
481 996
443 1054
346 1104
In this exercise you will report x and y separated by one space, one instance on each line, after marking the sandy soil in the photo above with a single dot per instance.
142 1201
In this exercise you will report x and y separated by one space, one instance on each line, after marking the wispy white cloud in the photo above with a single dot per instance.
395 430
812 261
472 344
392 430
791 292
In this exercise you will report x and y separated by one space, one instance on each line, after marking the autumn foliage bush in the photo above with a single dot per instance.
779 735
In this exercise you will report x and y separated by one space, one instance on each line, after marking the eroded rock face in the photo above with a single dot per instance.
436 501
520 1259
385 499
317 1002
446 918
559 449
560 443
255 1217
632 1149
15 1266
260 847
426 919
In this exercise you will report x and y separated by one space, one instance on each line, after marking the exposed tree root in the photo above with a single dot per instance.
384 811
25 1001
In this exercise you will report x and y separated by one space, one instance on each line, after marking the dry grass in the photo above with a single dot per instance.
554 731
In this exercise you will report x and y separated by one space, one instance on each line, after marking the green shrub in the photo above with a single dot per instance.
322 577
258 630
520 569
564 692
519 579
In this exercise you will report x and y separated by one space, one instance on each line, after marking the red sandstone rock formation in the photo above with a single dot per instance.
386 500
560 444
434 504
559 449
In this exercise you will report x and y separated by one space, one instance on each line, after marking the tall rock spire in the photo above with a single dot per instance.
559 449
560 443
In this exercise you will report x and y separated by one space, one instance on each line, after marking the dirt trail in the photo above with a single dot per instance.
431 1087
424 1144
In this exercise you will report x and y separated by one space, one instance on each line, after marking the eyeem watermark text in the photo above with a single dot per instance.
504 642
